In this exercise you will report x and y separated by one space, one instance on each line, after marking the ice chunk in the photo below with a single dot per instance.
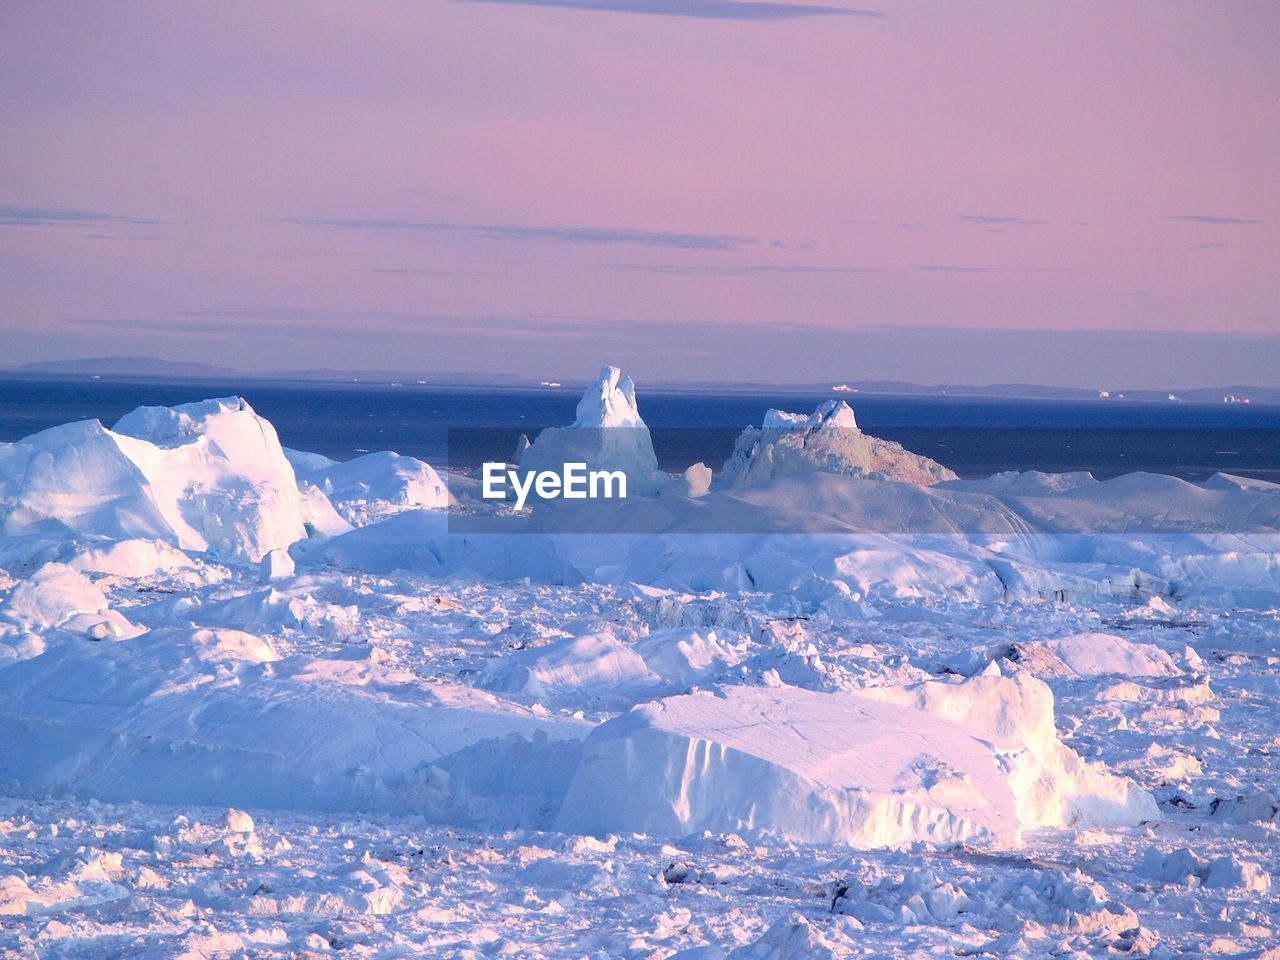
1093 654
275 564
827 441
694 482
880 767
202 476
1176 866
1182 866
56 597
1256 807
609 402
574 667
376 486
791 937
682 657
1230 873
599 670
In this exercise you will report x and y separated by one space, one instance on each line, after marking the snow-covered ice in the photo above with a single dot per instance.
257 703
608 433
828 440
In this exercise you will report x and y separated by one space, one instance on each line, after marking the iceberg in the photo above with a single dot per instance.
879 767
207 477
829 441
371 487
607 433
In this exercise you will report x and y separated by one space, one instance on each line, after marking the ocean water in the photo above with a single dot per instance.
973 436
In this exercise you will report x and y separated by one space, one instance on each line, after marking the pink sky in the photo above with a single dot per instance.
448 184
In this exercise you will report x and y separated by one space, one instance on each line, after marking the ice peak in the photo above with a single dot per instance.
593 439
834 413
174 424
609 402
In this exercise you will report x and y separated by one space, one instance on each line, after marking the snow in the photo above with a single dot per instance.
1227 481
601 670
53 604
821 711
1027 482
374 486
178 716
1091 655
134 558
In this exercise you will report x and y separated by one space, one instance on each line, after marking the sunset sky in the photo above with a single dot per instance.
1064 193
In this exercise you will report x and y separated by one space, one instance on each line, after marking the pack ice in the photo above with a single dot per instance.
257 702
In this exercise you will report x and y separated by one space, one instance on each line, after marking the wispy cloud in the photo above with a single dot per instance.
998 220
519 232
961 268
424 272
700 9
883 223
60 217
747 270
1213 219
114 236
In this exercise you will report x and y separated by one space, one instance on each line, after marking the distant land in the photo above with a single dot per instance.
153 368
129 367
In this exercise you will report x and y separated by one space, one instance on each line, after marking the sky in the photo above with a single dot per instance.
1080 194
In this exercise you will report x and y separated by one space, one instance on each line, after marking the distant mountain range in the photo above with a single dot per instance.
152 368
129 367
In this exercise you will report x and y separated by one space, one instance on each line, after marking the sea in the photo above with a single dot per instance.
459 427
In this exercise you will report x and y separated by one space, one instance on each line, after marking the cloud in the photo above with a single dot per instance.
1213 219
997 220
58 217
700 9
592 235
424 272
959 268
115 236
748 270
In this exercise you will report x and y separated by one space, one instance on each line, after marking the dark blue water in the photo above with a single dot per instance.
974 436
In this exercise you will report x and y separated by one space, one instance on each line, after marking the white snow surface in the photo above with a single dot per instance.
1093 654
1035 719
374 486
